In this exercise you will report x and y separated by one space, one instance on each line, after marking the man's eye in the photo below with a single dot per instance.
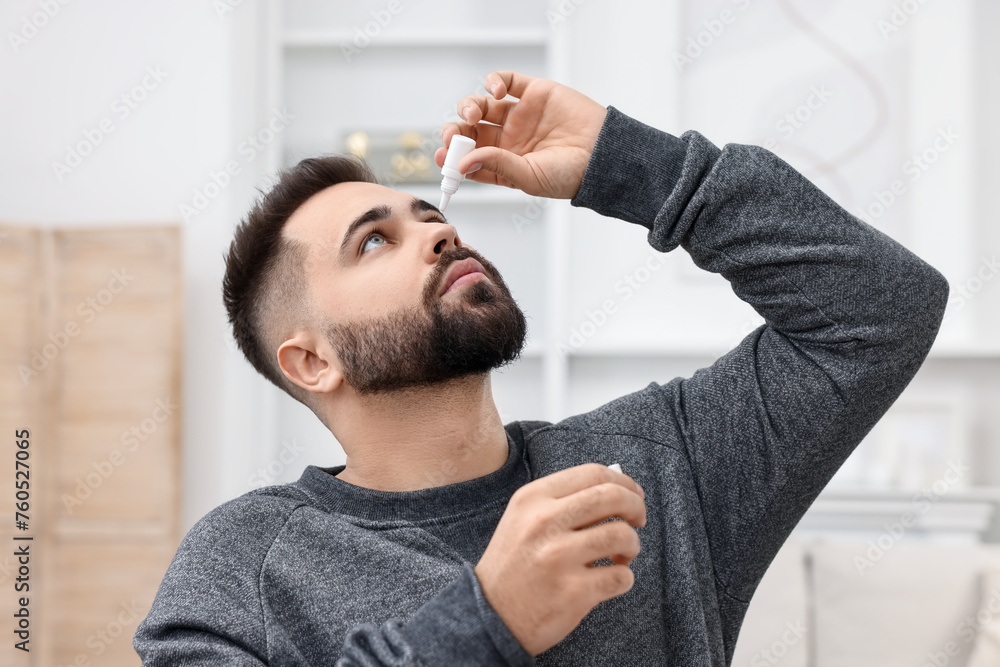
374 234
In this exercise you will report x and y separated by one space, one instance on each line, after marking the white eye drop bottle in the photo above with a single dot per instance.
450 175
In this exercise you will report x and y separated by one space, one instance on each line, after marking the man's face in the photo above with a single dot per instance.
381 292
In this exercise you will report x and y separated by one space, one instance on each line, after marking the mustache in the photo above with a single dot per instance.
450 257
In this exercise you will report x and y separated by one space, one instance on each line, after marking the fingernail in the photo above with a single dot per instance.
641 492
465 113
493 89
476 166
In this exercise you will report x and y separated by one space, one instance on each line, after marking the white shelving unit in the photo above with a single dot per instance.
961 517
325 39
309 74
567 260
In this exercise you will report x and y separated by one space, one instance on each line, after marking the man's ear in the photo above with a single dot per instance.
312 367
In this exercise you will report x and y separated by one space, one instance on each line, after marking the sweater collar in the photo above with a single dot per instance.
336 495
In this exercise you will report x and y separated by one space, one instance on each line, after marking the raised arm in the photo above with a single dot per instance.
850 315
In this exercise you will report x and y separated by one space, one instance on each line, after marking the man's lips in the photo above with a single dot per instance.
458 269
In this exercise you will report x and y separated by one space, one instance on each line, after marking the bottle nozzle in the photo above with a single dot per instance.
460 146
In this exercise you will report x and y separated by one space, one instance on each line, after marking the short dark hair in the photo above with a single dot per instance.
265 286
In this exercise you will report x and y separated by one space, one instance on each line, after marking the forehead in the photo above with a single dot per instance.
323 219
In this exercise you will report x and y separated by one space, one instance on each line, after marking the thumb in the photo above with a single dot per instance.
505 166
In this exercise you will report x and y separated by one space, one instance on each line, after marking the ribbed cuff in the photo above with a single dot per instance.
506 643
632 170
459 627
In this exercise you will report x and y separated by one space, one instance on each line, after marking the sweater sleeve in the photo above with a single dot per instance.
456 627
850 315
208 609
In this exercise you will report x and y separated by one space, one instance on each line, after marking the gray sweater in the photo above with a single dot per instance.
321 572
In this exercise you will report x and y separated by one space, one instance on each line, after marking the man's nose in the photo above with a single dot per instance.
443 237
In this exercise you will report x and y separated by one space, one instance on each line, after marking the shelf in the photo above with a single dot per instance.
302 39
962 495
979 351
684 351
971 512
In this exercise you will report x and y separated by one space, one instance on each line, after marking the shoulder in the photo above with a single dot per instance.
646 413
212 583
237 534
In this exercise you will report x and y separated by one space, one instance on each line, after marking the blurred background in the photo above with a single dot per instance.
136 135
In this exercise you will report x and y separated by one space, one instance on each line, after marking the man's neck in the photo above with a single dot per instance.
423 437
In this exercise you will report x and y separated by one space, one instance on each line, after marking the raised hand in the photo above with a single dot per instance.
539 143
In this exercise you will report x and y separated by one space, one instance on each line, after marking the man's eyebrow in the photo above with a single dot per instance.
381 212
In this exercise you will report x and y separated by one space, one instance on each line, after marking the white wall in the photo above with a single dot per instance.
59 85
66 78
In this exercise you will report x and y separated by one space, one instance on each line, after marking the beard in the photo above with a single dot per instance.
473 332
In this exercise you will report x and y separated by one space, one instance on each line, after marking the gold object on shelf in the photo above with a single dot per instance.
357 144
397 157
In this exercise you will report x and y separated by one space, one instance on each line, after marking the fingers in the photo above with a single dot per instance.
509 83
475 108
603 583
577 478
597 503
484 115
490 108
451 129
483 135
614 540
498 167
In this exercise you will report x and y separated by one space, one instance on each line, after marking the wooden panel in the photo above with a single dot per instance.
21 406
116 395
95 610
93 316
108 467
116 429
